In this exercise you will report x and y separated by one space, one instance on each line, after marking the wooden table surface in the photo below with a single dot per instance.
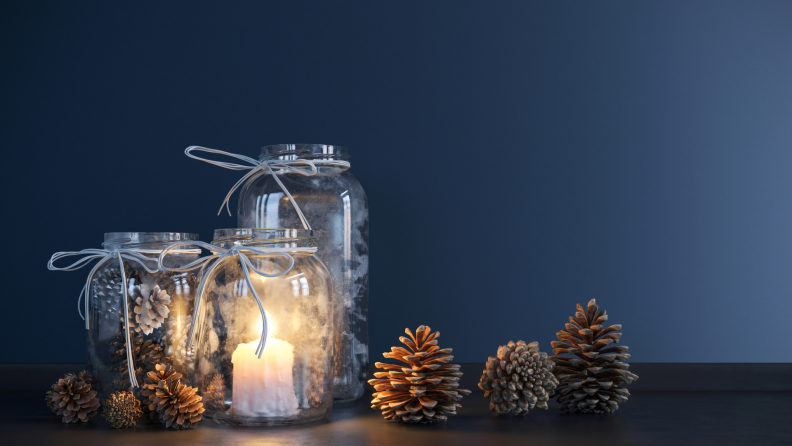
650 417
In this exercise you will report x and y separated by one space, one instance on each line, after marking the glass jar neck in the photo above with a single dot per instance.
290 152
264 238
145 240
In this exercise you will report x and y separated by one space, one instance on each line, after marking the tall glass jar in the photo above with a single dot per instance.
291 382
160 307
335 206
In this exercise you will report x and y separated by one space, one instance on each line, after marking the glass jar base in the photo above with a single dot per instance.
228 419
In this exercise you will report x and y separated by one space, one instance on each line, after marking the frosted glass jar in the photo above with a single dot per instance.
160 307
335 205
292 382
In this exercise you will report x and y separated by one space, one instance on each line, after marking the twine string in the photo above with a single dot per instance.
214 259
103 256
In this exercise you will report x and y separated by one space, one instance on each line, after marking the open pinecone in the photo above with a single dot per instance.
519 378
146 354
426 390
122 410
177 405
151 311
73 398
592 380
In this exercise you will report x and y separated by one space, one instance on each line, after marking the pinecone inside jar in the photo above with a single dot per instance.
107 295
151 311
519 378
176 405
146 354
215 394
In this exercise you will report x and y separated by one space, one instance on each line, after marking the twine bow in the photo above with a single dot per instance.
218 254
299 166
105 256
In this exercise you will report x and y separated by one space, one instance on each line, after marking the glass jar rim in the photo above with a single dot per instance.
137 238
264 235
308 151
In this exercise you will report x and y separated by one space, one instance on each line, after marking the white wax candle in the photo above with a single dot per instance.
264 387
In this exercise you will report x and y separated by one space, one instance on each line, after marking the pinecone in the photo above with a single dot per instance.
107 295
593 380
146 354
151 311
518 379
48 398
122 410
177 405
164 372
215 394
426 390
73 398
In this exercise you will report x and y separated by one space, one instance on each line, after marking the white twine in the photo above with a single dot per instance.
299 166
105 256
218 254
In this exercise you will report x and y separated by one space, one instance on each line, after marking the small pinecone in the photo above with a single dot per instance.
146 354
73 398
592 380
215 394
151 311
518 379
426 390
177 405
122 410
107 294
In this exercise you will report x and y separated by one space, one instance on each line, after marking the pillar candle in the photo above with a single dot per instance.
264 387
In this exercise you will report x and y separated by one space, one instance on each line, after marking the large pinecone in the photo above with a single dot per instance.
151 311
122 410
73 398
177 405
146 354
592 380
519 378
426 390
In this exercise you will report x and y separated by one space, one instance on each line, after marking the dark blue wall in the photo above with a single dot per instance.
519 157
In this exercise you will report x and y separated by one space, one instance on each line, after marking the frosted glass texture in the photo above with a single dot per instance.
159 338
292 381
335 206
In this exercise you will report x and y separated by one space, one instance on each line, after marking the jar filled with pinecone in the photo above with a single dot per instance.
159 306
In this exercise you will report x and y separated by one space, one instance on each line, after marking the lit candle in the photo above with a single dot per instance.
264 387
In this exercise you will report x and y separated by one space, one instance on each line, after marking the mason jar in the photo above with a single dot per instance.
335 206
160 307
292 380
